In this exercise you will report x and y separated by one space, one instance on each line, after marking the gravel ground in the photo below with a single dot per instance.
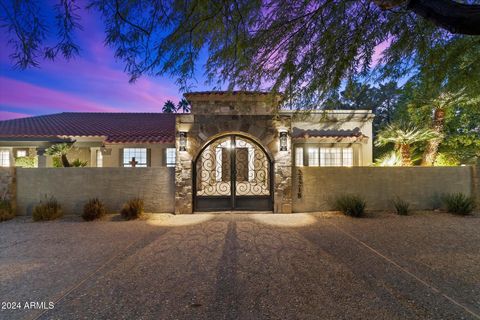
244 266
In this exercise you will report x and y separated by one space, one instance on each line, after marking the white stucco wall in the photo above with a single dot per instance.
112 157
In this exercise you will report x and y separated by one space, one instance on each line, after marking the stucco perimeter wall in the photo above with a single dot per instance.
8 185
72 187
423 187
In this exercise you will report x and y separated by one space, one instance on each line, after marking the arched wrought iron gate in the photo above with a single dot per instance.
233 172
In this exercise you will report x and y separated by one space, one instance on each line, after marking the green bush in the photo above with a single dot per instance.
93 209
26 162
57 162
48 209
78 163
402 207
6 210
133 209
458 203
351 205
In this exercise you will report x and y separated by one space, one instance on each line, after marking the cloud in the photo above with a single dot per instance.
32 97
7 115
95 81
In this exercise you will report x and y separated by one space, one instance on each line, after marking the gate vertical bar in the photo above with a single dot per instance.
233 170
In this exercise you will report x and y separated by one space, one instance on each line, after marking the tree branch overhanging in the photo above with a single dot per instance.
458 18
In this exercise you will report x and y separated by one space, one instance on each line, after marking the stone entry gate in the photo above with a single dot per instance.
215 116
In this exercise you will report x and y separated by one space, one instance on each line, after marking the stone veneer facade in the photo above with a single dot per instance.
248 114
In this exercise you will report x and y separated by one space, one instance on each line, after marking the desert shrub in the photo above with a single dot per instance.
57 162
133 209
78 163
93 209
402 207
458 203
351 205
6 210
26 162
47 209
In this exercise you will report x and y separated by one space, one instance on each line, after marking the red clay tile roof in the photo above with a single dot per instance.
300 133
116 127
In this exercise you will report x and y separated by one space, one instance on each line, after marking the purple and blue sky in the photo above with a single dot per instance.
92 82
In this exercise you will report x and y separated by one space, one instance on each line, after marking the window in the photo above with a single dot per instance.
140 155
330 157
171 154
21 153
336 157
299 157
99 158
313 157
347 157
4 158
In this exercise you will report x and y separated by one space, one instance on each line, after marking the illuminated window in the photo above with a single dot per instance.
171 154
99 158
347 157
299 157
4 158
140 155
21 153
336 157
313 157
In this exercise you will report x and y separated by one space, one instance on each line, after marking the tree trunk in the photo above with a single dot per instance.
65 162
406 155
448 14
431 150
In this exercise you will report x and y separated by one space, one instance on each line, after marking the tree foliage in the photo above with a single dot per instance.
383 100
304 48
403 136
60 150
183 105
169 107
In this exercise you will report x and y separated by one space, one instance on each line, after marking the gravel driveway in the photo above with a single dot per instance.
243 266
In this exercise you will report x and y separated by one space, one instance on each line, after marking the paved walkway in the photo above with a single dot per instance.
244 266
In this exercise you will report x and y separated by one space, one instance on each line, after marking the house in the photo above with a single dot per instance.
234 151
100 139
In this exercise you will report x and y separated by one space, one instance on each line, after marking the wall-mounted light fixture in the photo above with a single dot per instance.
182 145
283 140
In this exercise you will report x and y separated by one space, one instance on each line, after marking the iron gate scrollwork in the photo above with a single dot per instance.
233 172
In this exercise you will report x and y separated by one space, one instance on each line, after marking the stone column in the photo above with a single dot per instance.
42 158
282 169
183 167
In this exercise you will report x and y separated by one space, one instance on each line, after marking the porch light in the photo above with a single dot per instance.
283 140
182 145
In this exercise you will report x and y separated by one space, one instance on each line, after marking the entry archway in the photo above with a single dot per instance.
233 172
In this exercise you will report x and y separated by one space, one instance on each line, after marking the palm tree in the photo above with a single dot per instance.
169 107
183 105
403 136
60 150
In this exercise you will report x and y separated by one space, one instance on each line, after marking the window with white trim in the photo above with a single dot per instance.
313 157
299 157
4 158
347 157
170 156
99 158
140 155
21 153
336 157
